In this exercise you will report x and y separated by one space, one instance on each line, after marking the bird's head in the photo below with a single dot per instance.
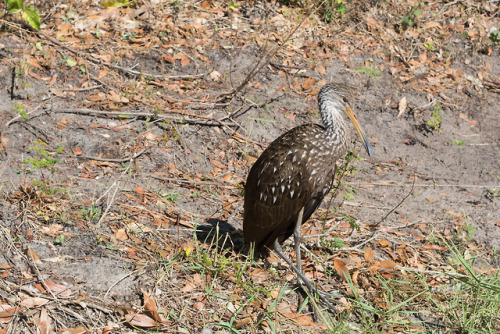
335 99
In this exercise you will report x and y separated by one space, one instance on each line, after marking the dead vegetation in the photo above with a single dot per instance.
127 134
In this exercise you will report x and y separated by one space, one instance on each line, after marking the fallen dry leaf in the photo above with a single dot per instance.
308 83
31 254
113 96
242 323
140 320
121 234
384 243
368 254
76 330
435 247
198 306
33 302
301 319
386 264
216 76
77 151
151 308
402 106
7 312
341 269
43 323
60 289
259 276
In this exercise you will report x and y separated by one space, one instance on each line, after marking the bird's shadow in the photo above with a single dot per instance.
221 235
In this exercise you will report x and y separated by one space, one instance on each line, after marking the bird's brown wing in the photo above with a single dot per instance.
279 186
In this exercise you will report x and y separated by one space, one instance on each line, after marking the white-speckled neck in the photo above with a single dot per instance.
332 101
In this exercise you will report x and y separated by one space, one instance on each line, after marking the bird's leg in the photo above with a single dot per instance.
301 277
297 236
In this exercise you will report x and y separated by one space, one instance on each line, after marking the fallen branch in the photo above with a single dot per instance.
198 183
434 185
144 115
135 156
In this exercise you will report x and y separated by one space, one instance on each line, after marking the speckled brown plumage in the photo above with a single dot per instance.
296 171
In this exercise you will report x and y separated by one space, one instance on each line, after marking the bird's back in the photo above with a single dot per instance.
295 171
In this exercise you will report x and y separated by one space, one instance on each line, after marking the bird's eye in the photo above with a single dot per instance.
345 99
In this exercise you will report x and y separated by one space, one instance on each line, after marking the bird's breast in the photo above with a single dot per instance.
296 174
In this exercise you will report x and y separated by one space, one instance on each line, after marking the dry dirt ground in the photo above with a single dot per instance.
94 223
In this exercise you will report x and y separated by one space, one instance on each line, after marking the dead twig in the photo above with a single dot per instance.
198 183
113 114
376 225
118 281
117 187
135 156
434 185
19 117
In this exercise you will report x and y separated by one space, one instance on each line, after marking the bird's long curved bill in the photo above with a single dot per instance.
354 119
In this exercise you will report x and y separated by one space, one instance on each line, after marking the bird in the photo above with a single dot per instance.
289 180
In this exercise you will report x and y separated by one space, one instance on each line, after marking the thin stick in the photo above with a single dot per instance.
199 183
135 156
118 281
122 114
376 225
435 185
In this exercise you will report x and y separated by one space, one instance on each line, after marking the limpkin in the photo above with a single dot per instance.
289 180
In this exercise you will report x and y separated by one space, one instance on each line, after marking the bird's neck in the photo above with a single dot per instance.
333 119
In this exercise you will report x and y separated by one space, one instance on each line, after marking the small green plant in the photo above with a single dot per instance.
116 3
338 243
332 244
172 196
333 6
19 238
176 5
459 142
435 121
349 192
70 62
59 240
46 189
353 222
370 70
429 46
433 239
410 18
129 36
92 213
470 232
27 13
18 108
494 37
21 73
42 159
